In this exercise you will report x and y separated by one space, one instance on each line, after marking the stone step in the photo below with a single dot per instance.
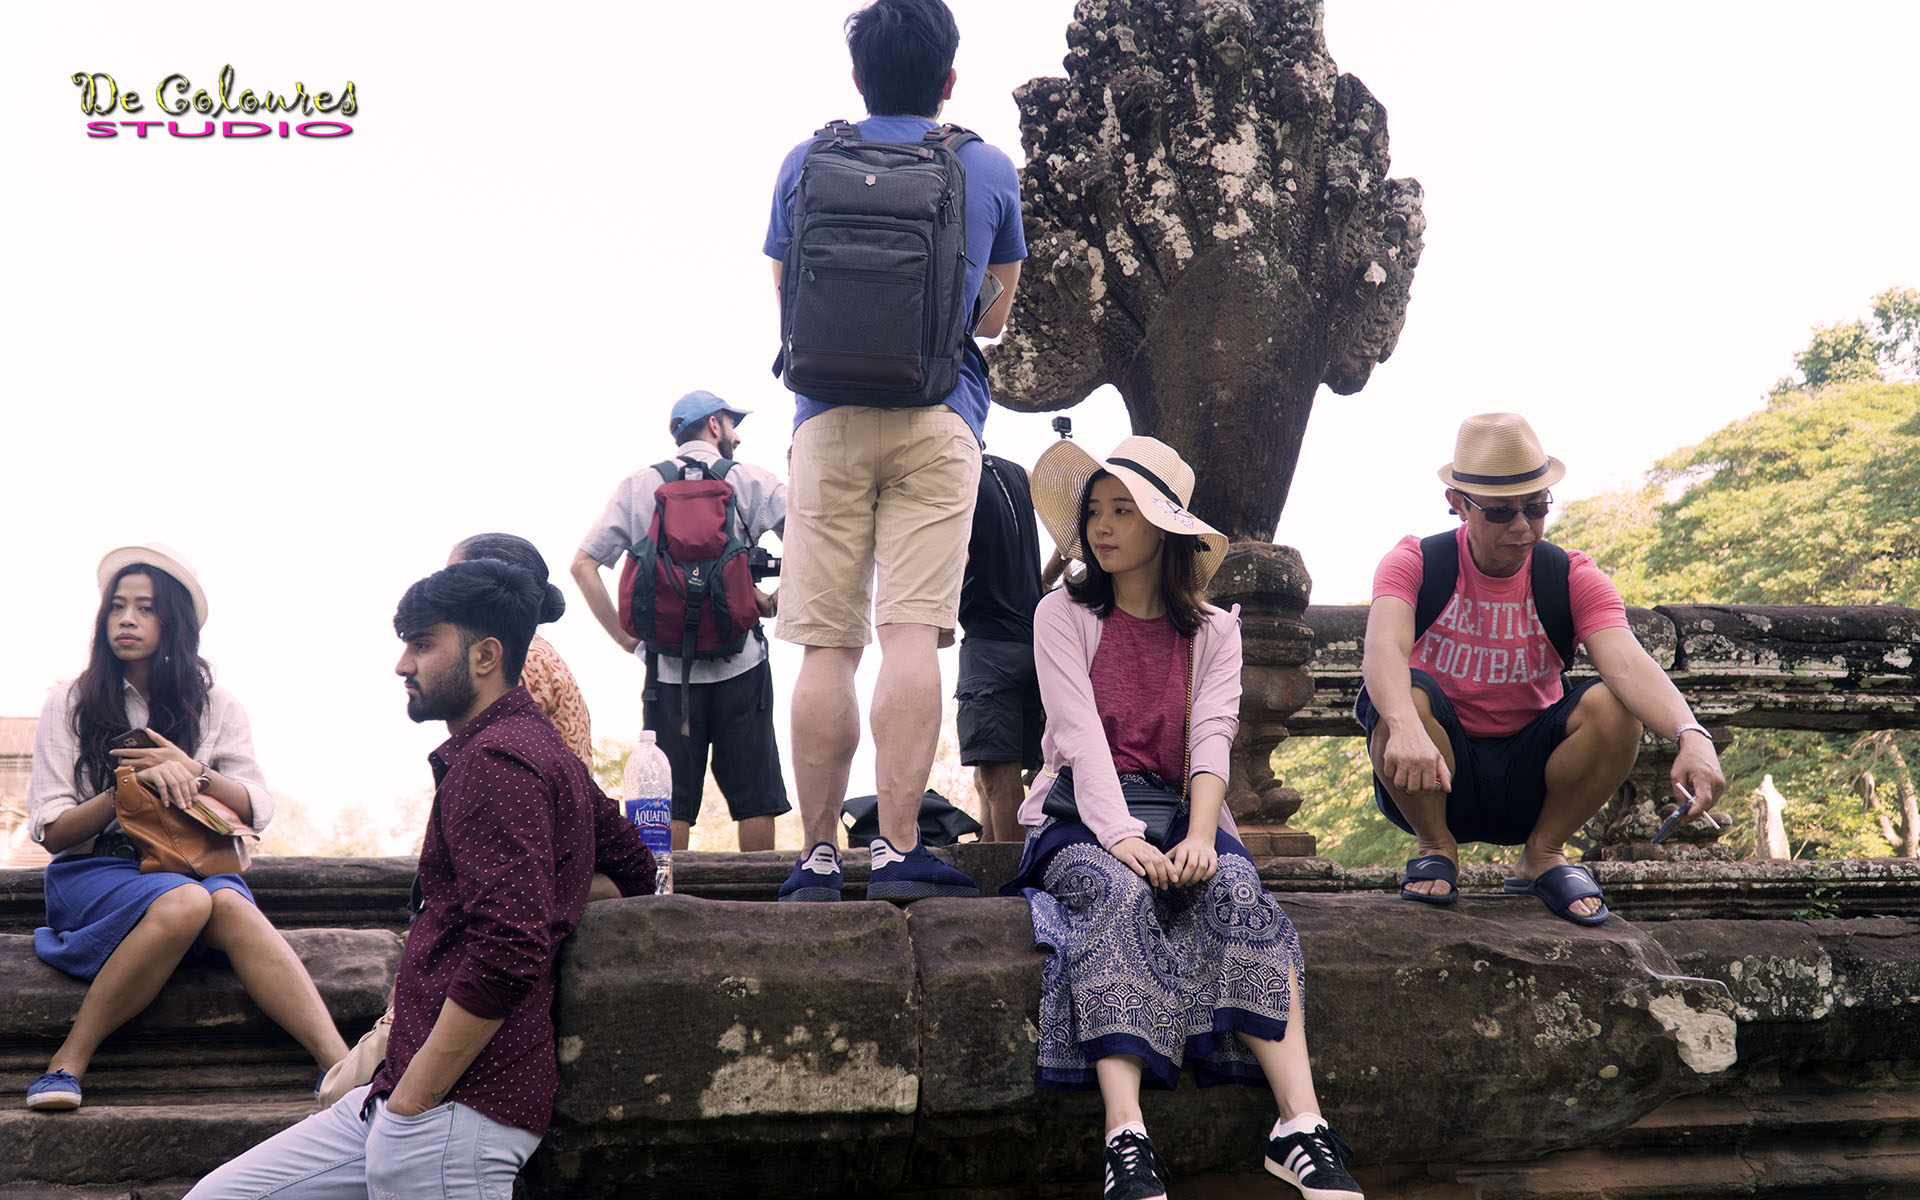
1809 1142
371 893
202 1013
128 1145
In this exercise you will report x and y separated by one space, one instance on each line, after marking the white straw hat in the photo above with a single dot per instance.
1158 479
164 557
1498 454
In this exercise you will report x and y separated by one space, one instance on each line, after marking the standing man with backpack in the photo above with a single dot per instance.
884 237
1474 736
697 517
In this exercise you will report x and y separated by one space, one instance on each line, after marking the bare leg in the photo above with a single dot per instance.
1425 811
1285 1062
756 833
1000 796
134 973
273 975
986 805
906 727
826 732
1603 739
682 834
1119 1076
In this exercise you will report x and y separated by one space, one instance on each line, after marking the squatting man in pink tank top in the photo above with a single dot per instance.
1473 736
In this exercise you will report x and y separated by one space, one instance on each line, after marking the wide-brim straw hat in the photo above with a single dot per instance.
162 557
1498 454
1158 479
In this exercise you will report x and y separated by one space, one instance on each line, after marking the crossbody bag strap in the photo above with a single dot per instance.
1186 738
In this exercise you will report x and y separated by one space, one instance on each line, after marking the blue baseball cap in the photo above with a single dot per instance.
698 406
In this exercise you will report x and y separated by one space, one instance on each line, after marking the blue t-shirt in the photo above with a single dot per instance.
995 235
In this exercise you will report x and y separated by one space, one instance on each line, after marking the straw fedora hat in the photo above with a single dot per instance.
1498 454
164 557
1155 475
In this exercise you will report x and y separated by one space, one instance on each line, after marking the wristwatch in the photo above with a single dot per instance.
206 778
1697 727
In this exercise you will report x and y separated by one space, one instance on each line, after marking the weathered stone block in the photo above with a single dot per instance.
1816 991
693 1031
203 1002
1508 1031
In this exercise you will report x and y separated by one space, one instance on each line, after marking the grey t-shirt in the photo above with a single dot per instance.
762 501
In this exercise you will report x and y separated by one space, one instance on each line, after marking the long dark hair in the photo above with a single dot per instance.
176 689
1186 607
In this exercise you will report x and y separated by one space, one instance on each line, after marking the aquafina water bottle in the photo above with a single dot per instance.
647 789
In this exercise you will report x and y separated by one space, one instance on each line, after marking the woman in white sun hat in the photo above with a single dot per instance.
1168 953
121 929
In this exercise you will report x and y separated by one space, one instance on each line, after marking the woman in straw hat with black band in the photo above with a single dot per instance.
1165 948
108 922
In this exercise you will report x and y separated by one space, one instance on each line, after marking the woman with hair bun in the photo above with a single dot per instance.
546 674
107 922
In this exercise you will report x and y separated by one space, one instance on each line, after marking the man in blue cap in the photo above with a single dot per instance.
729 708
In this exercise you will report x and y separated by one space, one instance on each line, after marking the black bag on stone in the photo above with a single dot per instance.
941 824
873 303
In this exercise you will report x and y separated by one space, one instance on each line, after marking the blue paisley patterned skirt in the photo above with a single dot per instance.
1170 976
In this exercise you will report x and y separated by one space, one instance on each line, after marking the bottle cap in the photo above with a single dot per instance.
646 737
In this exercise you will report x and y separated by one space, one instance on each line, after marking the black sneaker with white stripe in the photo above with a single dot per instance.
1135 1170
1315 1162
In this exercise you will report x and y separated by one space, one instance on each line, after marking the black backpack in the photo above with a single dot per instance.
1552 603
873 303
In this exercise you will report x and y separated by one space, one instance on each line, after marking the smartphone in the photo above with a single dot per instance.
133 739
1673 821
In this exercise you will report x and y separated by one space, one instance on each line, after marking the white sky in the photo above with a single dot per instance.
314 365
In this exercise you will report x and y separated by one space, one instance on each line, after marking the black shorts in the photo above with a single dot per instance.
1499 783
734 720
1000 716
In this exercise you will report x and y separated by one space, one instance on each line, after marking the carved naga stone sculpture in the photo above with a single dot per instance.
1212 231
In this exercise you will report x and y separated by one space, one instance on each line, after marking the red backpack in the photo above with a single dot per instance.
687 587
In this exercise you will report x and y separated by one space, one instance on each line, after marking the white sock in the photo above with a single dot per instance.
1129 1127
1304 1123
884 855
824 860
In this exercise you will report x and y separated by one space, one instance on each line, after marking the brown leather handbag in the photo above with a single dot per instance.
207 839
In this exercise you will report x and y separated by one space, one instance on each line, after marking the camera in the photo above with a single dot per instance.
762 563
1063 426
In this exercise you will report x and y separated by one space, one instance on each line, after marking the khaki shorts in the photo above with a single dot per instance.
879 511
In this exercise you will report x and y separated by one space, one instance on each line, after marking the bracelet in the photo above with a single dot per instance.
1696 727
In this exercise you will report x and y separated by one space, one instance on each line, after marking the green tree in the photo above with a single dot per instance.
1896 323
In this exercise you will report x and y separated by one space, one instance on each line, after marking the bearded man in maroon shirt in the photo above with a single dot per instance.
466 1091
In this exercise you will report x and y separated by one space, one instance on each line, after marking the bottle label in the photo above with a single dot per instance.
653 815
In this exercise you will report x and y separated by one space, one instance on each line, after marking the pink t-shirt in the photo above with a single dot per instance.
1487 647
1139 678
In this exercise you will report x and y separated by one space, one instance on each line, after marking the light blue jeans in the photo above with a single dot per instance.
450 1151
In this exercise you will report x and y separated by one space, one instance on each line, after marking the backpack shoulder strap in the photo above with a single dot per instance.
951 136
668 471
1439 571
1552 599
718 468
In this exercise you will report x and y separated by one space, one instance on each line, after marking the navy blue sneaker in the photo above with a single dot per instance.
53 1092
1315 1162
815 877
914 875
1135 1170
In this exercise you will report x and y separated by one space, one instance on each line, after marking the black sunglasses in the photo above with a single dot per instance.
1503 513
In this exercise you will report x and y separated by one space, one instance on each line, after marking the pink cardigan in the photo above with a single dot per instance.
1065 636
